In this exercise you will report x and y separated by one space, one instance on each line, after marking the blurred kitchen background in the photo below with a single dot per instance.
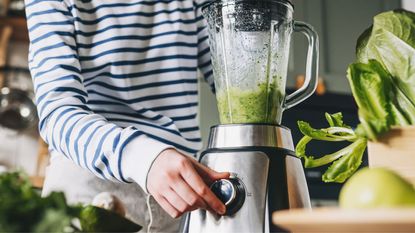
338 22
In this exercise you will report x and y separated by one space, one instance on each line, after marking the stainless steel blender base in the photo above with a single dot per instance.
261 158
251 168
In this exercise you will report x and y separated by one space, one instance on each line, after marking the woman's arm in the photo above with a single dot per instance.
66 122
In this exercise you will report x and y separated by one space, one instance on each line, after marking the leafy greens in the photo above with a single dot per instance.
383 85
345 161
22 209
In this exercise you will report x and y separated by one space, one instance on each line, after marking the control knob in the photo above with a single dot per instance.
231 192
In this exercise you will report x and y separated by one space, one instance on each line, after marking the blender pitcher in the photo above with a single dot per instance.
249 41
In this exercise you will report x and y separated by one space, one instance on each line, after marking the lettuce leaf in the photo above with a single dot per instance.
373 91
346 161
344 167
391 42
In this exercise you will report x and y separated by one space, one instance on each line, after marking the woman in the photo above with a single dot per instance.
116 91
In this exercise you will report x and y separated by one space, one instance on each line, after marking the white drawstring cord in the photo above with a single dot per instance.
150 214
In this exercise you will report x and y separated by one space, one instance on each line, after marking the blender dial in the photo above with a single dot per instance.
231 192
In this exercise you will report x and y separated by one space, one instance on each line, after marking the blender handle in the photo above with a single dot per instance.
310 83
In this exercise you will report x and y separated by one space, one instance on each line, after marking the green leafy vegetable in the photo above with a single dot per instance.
344 167
347 160
383 85
336 120
95 219
22 209
391 41
373 91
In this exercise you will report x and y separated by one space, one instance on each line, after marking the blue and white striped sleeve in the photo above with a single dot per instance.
66 122
204 59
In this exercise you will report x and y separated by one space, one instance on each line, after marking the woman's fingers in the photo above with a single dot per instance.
207 174
192 177
178 184
188 194
176 201
173 212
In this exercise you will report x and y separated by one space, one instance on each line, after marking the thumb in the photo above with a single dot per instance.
208 175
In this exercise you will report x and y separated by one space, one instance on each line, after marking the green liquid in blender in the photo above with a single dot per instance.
260 105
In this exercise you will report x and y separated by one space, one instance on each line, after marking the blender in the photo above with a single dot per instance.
249 42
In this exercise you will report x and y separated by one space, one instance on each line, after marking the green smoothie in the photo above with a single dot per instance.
259 105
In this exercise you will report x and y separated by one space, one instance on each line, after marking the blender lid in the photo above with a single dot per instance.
289 2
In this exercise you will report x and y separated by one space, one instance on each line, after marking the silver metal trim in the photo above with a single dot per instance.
244 135
298 195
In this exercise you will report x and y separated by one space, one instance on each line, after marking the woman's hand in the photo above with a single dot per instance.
180 184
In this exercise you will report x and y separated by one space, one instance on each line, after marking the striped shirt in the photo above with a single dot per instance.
116 81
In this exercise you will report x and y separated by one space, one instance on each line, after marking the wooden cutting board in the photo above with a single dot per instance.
348 221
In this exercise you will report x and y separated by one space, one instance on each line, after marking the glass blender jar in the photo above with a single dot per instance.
249 41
